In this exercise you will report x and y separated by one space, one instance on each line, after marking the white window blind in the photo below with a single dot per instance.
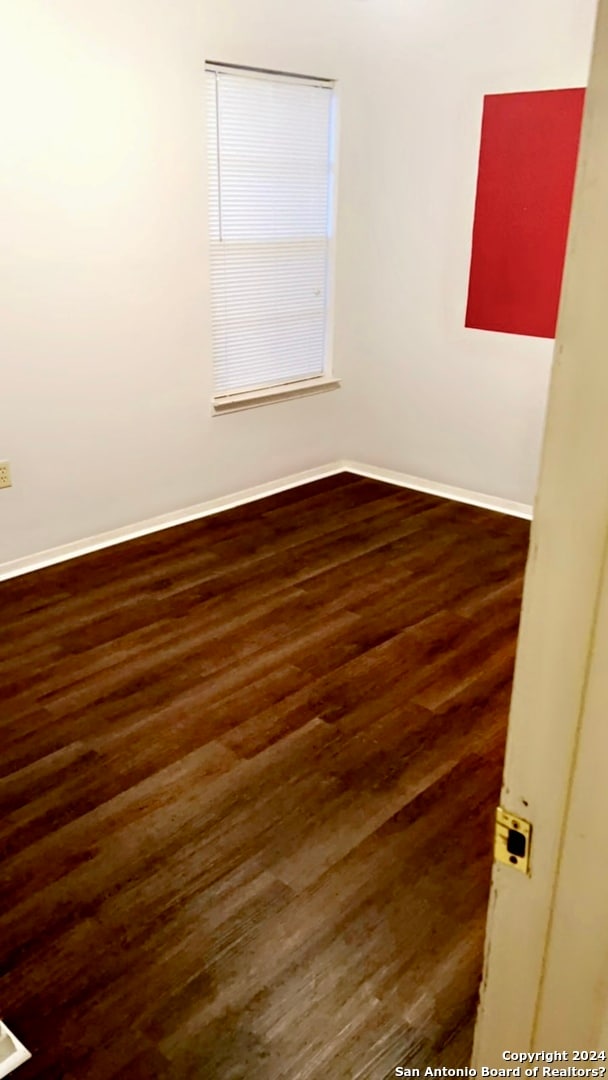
270 207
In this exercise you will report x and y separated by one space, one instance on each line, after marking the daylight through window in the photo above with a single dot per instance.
271 194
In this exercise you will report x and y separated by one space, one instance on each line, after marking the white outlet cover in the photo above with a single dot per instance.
12 1052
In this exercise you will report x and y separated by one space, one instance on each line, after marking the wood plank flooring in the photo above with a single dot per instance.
249 767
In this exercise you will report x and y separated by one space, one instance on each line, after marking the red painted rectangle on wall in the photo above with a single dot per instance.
527 164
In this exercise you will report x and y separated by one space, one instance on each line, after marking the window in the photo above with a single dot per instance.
271 210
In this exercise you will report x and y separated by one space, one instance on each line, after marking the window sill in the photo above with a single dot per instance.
252 399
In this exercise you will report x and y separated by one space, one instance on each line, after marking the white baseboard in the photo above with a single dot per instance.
446 491
164 521
12 1052
214 506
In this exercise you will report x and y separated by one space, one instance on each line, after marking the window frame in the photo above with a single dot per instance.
234 401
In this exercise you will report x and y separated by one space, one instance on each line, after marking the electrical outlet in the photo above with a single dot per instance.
5 474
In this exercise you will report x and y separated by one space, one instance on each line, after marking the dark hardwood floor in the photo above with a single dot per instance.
249 767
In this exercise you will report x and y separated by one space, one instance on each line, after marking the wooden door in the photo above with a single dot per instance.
545 984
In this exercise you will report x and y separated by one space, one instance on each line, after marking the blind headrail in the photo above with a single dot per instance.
214 65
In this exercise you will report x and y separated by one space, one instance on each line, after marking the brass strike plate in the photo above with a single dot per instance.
512 841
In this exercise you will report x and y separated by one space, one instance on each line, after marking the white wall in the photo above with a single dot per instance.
104 327
460 406
104 322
